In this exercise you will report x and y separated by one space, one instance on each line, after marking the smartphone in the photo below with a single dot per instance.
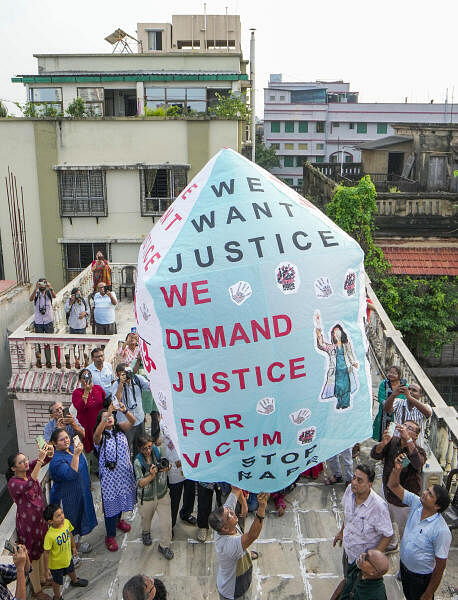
10 547
115 402
405 462
76 441
133 330
66 412
41 441
391 428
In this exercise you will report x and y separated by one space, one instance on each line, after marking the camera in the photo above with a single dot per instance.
86 377
42 310
129 373
77 295
110 464
164 463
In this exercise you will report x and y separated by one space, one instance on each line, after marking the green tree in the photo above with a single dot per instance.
3 110
422 309
231 107
354 209
266 157
77 108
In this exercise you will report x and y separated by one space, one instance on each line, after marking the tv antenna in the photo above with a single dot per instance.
117 40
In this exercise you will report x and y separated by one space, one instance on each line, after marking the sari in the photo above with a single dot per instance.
101 272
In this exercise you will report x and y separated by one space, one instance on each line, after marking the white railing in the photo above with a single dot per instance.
389 349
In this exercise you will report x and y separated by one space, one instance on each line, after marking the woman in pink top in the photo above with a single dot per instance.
129 350
88 401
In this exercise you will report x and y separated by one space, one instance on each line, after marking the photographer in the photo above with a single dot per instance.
88 400
65 421
151 468
104 311
16 572
42 297
77 312
127 389
117 481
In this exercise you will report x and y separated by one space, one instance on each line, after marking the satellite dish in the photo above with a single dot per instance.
117 38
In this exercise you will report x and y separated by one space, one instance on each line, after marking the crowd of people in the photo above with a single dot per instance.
105 434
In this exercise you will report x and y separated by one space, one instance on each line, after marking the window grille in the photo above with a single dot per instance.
159 188
82 193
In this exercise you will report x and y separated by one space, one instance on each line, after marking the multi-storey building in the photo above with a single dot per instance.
323 122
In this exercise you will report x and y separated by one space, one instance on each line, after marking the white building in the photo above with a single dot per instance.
323 121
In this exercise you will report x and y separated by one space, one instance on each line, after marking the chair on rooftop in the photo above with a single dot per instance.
128 279
451 514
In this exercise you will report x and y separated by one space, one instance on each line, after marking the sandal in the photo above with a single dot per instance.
254 555
111 544
332 480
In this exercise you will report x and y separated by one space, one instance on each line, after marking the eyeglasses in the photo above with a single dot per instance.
412 429
148 447
23 461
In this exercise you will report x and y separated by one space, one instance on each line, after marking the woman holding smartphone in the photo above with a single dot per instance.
31 528
117 480
71 484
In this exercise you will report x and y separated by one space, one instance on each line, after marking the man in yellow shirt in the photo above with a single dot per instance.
60 547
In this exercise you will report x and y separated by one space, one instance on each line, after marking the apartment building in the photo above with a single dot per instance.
324 122
100 181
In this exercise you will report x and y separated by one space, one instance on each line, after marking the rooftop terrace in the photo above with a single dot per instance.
297 559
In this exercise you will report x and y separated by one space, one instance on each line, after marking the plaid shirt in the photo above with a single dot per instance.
7 575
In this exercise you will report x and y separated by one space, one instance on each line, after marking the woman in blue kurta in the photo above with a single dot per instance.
340 379
71 484
117 479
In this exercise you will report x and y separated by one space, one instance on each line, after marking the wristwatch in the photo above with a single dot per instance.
409 441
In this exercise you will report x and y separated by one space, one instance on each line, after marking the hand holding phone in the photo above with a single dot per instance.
405 462
10 547
391 428
66 412
41 442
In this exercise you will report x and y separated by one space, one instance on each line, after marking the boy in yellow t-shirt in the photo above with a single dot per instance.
59 547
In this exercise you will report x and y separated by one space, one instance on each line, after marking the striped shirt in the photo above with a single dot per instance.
403 413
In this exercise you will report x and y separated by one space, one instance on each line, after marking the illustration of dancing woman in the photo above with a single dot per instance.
340 379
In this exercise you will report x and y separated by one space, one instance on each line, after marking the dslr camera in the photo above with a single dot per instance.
164 463
129 374
86 377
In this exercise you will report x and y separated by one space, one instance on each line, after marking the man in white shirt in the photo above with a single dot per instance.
104 310
128 390
77 312
367 522
102 373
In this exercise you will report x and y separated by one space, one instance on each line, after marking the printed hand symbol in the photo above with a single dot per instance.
266 406
323 287
300 416
318 319
349 284
240 291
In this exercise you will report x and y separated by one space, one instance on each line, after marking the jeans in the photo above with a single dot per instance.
413 584
110 525
78 331
347 463
44 328
188 489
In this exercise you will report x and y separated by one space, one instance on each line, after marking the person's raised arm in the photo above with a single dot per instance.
100 429
51 289
389 402
126 425
20 560
394 478
378 451
40 462
34 291
112 298
255 529
76 457
425 409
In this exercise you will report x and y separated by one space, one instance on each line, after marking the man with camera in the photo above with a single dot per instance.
127 389
42 297
77 312
62 418
104 311
16 571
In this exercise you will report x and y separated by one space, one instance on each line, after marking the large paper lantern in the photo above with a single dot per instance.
250 305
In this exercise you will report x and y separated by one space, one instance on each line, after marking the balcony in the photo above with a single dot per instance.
297 557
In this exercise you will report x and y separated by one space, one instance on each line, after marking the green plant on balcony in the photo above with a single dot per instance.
3 110
155 112
76 109
33 110
231 107
174 111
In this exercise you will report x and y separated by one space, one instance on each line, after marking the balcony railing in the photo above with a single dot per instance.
341 173
388 348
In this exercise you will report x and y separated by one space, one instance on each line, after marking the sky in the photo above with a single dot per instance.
388 50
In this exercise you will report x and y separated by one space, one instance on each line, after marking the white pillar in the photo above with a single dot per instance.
140 98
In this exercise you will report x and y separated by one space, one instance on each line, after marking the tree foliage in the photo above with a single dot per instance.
266 157
77 108
3 110
422 309
231 107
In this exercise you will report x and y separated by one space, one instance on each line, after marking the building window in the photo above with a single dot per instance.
361 128
300 160
319 159
82 193
287 180
272 98
336 124
289 146
47 100
288 161
320 146
320 126
187 99
303 146
188 44
299 182
289 126
275 126
159 188
79 256
275 146
303 126
282 98
382 127
93 100
348 158
351 125
155 40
